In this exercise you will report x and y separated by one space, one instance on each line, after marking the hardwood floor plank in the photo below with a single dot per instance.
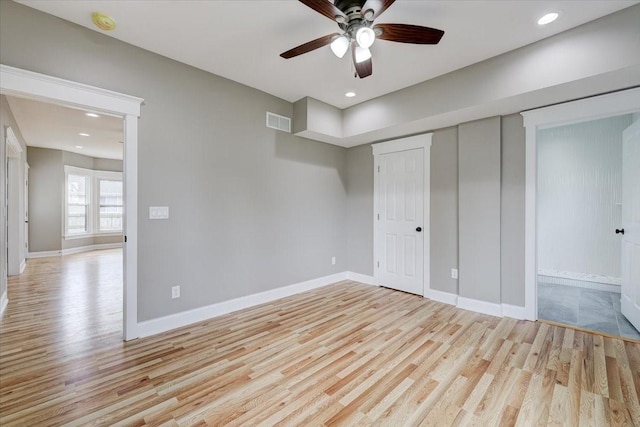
346 354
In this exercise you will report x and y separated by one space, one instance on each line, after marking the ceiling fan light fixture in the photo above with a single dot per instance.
340 46
368 15
362 54
365 37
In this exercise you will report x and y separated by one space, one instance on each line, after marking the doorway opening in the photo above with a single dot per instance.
579 207
626 102
26 84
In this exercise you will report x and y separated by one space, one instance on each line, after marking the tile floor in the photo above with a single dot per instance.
586 308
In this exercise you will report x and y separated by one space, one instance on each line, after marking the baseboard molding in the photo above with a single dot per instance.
581 277
362 278
88 248
70 251
4 301
173 321
440 296
43 254
576 283
478 306
23 265
514 311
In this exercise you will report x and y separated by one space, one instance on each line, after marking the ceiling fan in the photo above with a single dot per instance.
355 19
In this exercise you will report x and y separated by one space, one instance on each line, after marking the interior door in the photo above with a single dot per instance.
399 218
631 224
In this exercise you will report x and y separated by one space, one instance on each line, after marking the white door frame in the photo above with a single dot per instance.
25 247
27 84
15 239
597 107
413 142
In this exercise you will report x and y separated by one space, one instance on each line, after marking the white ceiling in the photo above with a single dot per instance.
54 126
239 39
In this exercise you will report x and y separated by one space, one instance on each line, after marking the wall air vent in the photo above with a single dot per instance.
275 121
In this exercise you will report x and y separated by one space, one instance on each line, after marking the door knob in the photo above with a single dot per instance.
419 229
620 231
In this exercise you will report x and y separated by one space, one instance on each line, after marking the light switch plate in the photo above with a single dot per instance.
158 212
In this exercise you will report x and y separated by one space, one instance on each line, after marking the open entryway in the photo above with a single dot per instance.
86 209
580 201
577 195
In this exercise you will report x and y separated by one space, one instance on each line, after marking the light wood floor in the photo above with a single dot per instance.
347 354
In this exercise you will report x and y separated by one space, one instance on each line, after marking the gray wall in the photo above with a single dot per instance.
251 208
46 183
512 210
444 209
46 225
490 189
479 209
360 209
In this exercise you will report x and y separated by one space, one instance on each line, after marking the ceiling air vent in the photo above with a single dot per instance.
275 121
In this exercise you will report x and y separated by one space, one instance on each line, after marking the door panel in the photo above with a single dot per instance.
631 224
401 205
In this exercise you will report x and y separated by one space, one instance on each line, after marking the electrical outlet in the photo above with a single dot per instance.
333 260
175 292
454 273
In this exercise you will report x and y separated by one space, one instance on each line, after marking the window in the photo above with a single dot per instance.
77 204
93 202
110 213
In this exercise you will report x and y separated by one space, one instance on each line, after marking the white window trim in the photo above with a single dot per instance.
94 196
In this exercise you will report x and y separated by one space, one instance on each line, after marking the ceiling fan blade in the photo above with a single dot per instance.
364 68
404 33
309 46
324 7
378 6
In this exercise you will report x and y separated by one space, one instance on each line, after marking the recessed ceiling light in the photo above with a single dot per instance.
83 134
350 94
103 21
91 114
548 18
79 146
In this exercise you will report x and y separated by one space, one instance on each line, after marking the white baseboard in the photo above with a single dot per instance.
576 283
69 251
4 301
88 248
23 265
167 323
173 321
478 306
440 296
514 311
43 254
581 277
362 278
